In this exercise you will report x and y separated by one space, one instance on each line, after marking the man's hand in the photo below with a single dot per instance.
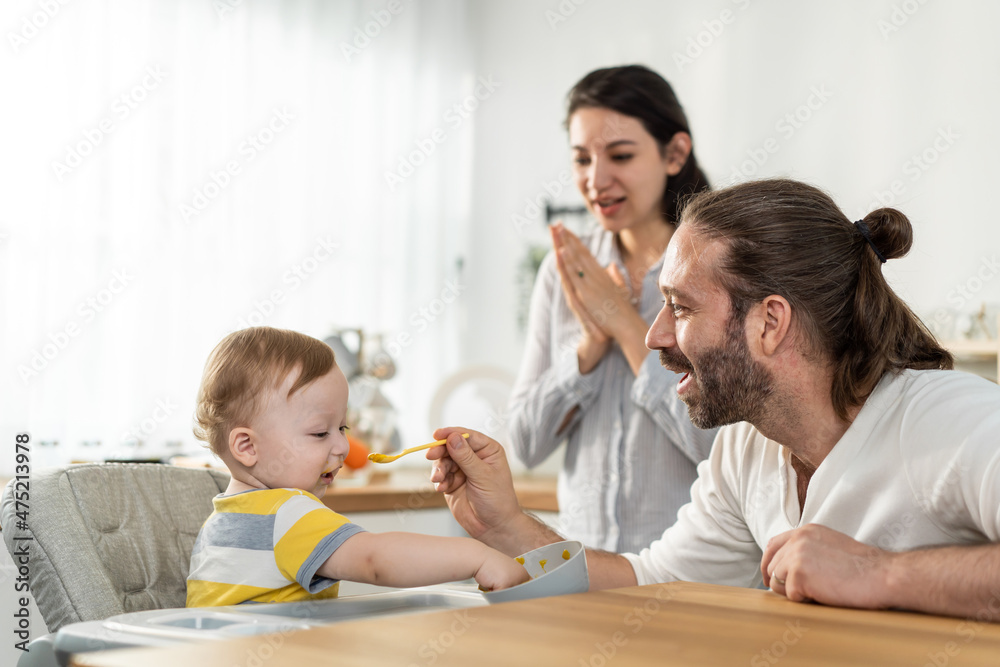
476 481
817 563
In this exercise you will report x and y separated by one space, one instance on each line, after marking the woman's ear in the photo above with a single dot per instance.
676 153
243 446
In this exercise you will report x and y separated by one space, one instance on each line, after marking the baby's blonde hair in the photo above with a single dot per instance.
245 364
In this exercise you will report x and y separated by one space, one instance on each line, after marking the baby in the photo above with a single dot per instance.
272 405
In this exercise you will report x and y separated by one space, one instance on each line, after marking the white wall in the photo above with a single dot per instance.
891 92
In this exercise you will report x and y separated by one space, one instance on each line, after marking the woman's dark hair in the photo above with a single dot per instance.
790 239
637 91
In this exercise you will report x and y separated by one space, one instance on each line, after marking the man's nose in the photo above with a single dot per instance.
661 333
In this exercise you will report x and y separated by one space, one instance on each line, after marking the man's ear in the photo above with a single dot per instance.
771 324
243 445
676 152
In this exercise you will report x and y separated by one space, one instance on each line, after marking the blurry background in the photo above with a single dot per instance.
173 170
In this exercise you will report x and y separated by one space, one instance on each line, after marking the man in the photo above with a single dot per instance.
865 474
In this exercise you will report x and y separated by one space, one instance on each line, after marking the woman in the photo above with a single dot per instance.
587 375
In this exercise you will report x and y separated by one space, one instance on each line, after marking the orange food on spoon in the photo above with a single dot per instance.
357 457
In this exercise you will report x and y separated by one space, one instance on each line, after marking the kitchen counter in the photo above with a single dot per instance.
665 624
411 490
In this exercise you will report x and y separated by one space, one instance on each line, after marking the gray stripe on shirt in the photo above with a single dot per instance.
236 529
306 576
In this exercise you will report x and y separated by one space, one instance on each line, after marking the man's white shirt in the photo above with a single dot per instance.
918 467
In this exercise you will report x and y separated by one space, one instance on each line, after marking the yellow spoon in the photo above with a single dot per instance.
386 458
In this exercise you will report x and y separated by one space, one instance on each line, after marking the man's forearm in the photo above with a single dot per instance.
521 534
955 581
608 570
527 532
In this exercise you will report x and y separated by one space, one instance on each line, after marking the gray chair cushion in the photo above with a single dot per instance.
111 538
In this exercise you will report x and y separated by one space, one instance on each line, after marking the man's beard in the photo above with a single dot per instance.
729 386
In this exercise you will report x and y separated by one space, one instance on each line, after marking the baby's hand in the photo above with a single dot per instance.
500 571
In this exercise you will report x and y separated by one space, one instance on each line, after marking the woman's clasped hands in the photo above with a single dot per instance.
598 297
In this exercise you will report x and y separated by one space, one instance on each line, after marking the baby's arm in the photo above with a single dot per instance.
410 559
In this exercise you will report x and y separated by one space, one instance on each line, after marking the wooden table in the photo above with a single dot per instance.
667 624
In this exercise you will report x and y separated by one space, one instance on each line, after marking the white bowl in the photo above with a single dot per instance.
559 576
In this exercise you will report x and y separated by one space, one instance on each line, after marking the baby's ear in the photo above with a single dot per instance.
242 446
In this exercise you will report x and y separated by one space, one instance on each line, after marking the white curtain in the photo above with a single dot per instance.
174 170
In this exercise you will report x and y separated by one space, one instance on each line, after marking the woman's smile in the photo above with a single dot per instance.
609 206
